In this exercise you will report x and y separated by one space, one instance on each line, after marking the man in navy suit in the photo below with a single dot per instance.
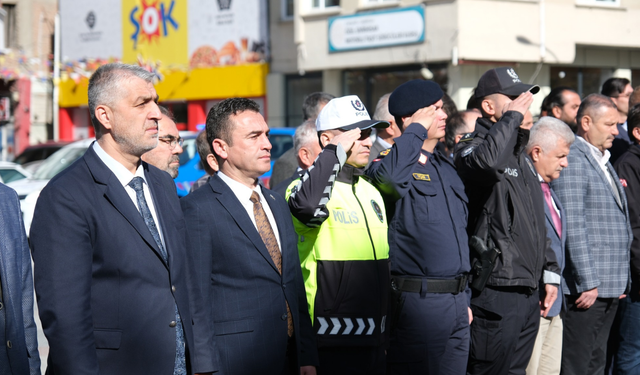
242 239
108 241
18 335
548 147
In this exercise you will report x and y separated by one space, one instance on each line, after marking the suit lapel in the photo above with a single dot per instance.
230 202
114 192
584 148
563 219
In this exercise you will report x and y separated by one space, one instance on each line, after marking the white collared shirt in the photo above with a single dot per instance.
125 176
601 158
384 143
243 193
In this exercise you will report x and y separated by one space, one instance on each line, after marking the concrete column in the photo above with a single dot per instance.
332 81
276 99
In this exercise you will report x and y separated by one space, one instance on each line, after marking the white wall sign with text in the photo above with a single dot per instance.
377 29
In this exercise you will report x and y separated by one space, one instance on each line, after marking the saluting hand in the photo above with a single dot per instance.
520 104
423 116
346 139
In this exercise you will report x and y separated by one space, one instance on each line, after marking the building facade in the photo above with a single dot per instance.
368 47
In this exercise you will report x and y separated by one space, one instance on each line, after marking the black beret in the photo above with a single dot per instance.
410 96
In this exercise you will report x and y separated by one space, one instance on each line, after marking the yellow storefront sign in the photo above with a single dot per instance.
155 30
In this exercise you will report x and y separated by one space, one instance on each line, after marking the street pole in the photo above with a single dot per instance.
56 78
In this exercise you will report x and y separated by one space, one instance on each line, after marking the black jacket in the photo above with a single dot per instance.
506 201
628 169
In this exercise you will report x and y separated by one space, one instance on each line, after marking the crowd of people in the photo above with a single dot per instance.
471 242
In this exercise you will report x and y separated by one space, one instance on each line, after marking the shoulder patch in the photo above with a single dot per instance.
467 151
466 138
421 177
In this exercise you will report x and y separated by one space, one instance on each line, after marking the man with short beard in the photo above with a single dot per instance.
506 216
166 155
115 293
562 103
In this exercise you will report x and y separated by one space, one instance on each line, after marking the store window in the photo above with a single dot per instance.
322 4
584 80
298 87
371 84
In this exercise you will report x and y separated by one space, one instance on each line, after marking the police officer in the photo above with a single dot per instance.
428 244
342 240
507 216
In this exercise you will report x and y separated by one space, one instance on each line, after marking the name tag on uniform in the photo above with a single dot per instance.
421 177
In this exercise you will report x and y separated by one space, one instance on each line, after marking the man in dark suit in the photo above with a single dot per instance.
242 239
598 238
108 241
627 166
18 334
548 147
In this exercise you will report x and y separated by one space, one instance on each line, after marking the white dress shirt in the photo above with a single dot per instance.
601 158
125 176
243 193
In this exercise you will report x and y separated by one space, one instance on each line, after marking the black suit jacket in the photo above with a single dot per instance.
106 297
241 285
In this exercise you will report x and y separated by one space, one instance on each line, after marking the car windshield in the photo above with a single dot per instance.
57 162
10 175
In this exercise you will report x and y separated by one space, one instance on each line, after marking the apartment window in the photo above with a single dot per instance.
10 28
287 9
612 3
322 4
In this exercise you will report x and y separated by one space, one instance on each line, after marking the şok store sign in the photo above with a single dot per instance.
203 50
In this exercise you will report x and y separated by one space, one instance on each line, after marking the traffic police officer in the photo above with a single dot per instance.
428 243
342 240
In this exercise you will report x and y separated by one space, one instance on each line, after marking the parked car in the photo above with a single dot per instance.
191 169
29 189
34 155
10 172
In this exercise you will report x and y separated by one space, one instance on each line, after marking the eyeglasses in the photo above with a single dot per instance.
171 141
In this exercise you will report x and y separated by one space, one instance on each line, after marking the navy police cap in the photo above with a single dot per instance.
410 96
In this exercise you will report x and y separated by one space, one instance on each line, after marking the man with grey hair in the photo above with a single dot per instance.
598 238
306 147
384 137
286 164
115 293
548 147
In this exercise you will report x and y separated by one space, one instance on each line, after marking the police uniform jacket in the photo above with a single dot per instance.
506 202
342 240
428 207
